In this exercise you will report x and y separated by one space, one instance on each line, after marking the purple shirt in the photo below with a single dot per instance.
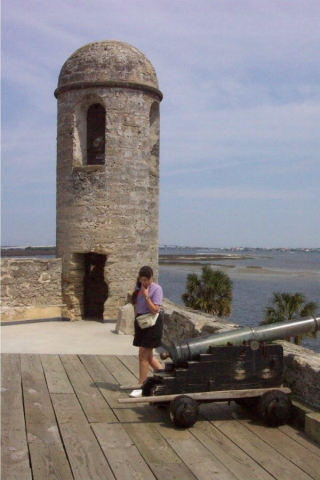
155 294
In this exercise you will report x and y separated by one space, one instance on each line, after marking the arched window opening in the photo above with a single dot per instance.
154 138
96 126
154 115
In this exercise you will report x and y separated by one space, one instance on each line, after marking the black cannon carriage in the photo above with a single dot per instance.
240 365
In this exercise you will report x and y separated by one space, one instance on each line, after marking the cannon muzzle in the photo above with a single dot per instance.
186 350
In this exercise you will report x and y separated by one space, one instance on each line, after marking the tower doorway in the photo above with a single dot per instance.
95 291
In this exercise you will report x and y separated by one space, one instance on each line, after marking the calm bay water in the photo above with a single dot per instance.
254 281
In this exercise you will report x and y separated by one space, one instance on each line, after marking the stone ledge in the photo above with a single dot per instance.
30 313
306 418
38 320
300 410
312 426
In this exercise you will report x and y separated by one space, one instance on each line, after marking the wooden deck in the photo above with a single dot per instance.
61 420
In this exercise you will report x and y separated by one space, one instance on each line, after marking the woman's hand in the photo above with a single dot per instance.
144 291
151 306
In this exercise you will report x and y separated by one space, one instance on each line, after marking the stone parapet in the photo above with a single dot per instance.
302 372
31 289
182 322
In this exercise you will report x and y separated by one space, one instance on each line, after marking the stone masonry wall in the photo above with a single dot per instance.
31 288
182 322
108 209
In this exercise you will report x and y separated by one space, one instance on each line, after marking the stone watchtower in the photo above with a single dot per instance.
107 176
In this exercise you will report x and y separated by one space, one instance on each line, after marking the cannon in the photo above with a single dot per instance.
182 351
240 365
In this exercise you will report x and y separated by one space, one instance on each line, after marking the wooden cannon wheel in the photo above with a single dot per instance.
274 408
184 411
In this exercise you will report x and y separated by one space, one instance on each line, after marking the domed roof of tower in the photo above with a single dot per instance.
107 62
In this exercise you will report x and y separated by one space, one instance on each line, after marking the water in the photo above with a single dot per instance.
254 281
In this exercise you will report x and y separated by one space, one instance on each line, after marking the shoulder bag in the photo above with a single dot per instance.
147 320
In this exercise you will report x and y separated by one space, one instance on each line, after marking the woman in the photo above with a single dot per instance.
146 298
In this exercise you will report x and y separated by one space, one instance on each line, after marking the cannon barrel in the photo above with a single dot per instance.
189 349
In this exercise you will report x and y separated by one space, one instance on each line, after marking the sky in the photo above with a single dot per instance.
240 115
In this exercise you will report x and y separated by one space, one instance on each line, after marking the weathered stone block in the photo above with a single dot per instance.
125 320
27 283
312 426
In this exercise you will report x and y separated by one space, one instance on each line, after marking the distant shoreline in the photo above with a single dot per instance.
192 259
164 259
172 259
27 252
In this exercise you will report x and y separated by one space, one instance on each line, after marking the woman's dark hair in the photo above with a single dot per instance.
143 272
146 272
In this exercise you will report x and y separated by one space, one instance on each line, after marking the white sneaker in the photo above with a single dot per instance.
136 393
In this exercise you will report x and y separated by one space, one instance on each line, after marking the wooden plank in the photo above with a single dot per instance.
297 448
262 453
130 387
57 379
122 454
233 458
146 444
84 453
301 438
14 449
46 450
48 460
154 448
94 405
152 445
202 463
67 408
40 418
214 396
18 476
131 362
196 457
121 374
286 446
118 369
105 381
